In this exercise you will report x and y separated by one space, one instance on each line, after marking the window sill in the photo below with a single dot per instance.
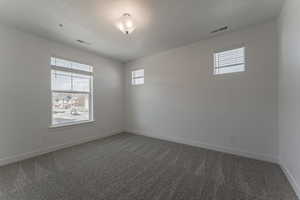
71 124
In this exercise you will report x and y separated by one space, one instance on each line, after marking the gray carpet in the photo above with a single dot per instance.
130 167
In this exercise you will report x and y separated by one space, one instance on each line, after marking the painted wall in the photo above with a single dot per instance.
25 96
183 101
289 87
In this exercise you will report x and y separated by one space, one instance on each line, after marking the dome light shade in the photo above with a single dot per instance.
126 24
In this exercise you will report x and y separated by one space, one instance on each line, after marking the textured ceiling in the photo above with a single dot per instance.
161 24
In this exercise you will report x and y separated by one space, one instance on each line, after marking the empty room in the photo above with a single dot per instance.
149 100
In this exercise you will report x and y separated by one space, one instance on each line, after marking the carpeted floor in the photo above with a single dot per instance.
130 167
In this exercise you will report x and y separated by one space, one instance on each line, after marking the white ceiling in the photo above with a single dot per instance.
161 24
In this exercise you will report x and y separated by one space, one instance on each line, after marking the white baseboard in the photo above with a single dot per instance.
291 179
24 156
267 158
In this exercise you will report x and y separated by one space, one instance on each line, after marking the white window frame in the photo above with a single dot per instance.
133 78
215 68
90 93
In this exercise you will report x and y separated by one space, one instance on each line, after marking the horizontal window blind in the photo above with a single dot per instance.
66 81
138 77
58 62
229 61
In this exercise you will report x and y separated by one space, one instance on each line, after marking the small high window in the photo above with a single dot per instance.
72 92
138 77
229 61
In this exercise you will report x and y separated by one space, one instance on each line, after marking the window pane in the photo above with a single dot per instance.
81 83
232 69
137 77
81 67
53 61
70 108
61 63
61 80
71 92
70 64
138 73
229 61
138 81
231 57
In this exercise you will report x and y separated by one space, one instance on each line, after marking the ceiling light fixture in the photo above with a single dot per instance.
126 24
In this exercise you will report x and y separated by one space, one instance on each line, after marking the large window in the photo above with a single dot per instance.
229 61
138 77
72 92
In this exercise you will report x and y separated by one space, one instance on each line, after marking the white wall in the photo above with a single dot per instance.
25 96
289 87
182 101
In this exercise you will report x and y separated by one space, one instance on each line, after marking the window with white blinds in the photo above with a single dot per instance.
138 77
229 61
72 92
